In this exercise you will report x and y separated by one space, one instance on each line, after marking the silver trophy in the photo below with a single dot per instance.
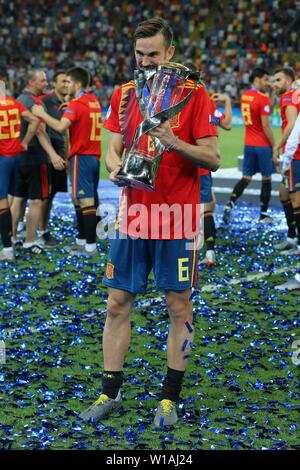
161 102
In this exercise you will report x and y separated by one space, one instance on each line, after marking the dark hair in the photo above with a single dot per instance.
80 75
57 73
153 26
258 72
287 71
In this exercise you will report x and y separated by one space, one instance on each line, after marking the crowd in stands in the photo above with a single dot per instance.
224 39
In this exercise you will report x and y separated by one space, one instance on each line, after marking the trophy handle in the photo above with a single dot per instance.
154 121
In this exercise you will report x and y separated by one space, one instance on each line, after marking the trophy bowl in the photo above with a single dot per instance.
161 102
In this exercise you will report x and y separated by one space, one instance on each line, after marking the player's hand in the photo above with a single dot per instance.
113 176
58 162
285 173
38 110
164 133
275 157
219 97
24 145
63 106
67 166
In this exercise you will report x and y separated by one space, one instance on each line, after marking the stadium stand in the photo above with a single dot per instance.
223 38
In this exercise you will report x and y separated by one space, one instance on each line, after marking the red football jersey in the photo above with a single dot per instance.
286 100
172 211
255 104
10 127
85 131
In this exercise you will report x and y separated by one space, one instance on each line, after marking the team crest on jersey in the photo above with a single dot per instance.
175 121
110 271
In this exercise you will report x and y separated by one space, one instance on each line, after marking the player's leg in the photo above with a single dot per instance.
85 171
7 182
206 197
294 192
126 275
116 334
32 220
39 185
266 168
58 184
285 189
20 193
249 169
265 196
175 270
116 338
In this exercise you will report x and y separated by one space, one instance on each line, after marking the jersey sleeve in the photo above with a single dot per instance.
265 107
21 107
112 121
26 100
286 101
70 112
201 125
291 145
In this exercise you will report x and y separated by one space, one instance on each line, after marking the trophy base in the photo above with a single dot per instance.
138 172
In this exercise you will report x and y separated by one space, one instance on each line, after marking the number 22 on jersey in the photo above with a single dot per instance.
9 120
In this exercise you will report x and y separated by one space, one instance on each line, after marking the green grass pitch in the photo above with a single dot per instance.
241 386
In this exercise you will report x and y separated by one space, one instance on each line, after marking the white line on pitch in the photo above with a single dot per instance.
249 278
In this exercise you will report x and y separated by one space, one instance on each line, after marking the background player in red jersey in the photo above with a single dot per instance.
223 120
11 146
259 142
283 80
189 137
83 119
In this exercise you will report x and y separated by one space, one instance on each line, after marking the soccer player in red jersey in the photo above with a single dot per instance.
142 243
207 197
82 117
259 141
11 146
288 191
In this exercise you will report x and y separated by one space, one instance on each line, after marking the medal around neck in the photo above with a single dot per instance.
161 102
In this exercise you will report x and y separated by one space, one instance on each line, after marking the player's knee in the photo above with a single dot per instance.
118 307
36 203
247 179
179 307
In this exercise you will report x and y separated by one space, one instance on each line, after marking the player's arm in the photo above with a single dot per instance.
113 159
291 116
56 160
271 95
33 124
204 154
266 125
226 122
291 146
58 125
